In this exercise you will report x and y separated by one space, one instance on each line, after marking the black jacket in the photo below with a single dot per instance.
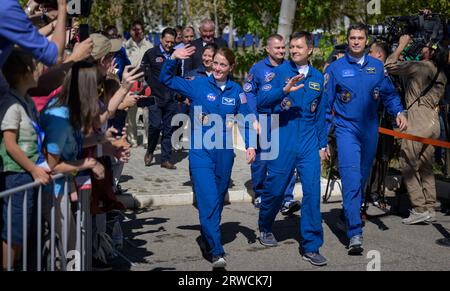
152 63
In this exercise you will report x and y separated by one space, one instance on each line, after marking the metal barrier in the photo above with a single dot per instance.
57 232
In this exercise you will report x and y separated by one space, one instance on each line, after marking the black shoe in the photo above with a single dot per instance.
148 159
355 246
98 265
168 165
290 207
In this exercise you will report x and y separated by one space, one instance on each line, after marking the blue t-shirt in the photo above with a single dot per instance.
60 137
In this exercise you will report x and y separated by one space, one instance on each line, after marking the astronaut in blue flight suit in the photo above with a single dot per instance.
211 166
354 86
259 75
297 88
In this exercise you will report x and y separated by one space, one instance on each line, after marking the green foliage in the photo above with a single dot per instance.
245 60
255 17
320 54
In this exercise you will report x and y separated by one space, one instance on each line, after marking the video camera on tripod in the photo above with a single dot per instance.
423 28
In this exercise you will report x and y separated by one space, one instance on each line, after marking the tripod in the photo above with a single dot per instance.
331 176
379 170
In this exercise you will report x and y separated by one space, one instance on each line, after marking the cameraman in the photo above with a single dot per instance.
416 158
16 28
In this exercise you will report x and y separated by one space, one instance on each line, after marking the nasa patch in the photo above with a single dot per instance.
211 97
267 87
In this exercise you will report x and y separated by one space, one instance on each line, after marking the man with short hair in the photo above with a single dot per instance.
295 90
259 75
161 113
379 50
136 47
207 32
354 86
188 35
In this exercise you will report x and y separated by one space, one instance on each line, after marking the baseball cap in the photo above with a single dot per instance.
104 46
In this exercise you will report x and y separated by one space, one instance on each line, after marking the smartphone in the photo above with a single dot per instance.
145 102
84 32
137 72
118 122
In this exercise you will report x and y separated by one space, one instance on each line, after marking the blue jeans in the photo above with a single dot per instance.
13 180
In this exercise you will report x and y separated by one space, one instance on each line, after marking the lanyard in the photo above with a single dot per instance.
34 122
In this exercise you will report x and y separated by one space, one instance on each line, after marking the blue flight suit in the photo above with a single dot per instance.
16 28
302 134
258 76
353 92
210 167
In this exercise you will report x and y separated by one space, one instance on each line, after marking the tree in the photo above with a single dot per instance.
287 15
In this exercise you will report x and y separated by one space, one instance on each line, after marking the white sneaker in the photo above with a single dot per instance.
257 202
416 217
219 262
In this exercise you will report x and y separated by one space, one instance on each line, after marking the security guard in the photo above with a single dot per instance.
211 164
302 134
260 74
354 86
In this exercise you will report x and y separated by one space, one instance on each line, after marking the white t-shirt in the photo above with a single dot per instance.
303 70
222 85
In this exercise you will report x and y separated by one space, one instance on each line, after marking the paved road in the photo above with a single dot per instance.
164 238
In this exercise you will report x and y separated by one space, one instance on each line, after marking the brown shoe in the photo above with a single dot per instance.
148 159
168 165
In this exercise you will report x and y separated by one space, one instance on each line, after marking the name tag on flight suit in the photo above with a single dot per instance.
348 73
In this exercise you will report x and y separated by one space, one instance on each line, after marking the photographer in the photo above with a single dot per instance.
424 82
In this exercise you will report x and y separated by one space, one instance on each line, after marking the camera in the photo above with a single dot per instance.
75 8
423 28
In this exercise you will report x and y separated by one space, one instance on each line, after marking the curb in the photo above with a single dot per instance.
137 201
